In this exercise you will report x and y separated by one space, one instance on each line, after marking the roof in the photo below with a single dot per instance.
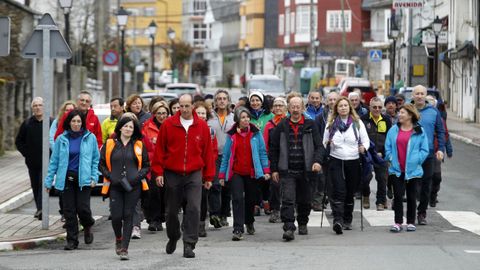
224 9
22 7
373 4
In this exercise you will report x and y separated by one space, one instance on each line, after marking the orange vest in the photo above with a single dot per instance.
110 144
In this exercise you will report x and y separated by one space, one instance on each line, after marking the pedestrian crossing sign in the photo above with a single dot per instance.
375 55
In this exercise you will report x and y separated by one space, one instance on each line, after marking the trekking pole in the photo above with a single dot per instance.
324 199
361 214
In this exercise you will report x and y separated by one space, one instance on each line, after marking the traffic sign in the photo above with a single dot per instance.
4 36
135 56
58 46
110 58
375 55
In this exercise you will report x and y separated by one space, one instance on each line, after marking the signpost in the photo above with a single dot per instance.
47 43
110 64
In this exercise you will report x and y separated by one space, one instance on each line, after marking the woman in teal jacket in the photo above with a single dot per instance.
244 160
406 148
74 161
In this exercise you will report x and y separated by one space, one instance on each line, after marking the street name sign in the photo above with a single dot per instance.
408 4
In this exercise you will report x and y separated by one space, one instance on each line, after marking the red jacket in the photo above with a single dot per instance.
150 130
182 152
92 124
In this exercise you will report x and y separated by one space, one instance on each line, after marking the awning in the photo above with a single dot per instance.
376 44
467 50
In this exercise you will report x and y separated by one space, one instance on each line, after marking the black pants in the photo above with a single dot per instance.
318 188
244 197
436 180
399 188
381 178
204 206
179 189
36 184
76 202
295 190
219 197
154 204
122 207
263 191
275 197
426 185
344 176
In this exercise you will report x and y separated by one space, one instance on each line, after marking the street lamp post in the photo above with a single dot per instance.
316 43
437 28
122 18
394 32
152 29
246 49
171 35
66 5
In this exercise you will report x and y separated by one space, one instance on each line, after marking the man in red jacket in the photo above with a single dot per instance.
182 158
84 101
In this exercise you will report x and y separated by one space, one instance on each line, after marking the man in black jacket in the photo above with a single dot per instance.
29 143
295 156
377 125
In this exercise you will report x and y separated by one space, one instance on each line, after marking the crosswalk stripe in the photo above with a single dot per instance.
379 218
315 219
466 220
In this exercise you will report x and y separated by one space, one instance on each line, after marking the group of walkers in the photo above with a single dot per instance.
187 156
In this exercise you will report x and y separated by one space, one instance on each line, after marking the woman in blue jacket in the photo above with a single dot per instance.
74 161
244 160
406 148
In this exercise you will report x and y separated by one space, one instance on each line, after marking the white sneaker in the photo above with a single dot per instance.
136 233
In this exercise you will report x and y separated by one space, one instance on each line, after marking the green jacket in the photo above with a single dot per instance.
262 120
108 127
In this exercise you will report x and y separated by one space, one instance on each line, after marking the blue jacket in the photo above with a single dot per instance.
259 154
431 121
417 152
312 112
89 158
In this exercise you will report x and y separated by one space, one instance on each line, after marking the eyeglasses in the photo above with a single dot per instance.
161 113
279 105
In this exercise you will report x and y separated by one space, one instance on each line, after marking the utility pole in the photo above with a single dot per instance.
344 41
409 47
313 56
100 16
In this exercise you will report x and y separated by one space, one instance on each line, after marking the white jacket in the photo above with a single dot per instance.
344 144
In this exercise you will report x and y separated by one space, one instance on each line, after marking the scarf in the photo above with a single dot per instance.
277 118
339 125
256 113
243 131
74 134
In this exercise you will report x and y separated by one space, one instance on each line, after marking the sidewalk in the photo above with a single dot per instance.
20 231
460 130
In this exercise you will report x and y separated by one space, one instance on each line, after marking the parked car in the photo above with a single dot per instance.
407 92
165 78
182 88
267 84
349 84
147 97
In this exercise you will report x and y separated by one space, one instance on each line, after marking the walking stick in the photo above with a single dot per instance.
324 199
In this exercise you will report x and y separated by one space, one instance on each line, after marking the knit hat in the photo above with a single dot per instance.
256 93
238 112
391 99
281 100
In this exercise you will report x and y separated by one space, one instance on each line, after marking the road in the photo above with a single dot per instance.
439 245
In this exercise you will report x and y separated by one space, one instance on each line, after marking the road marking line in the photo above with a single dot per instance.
380 218
467 220
451 231
472 251
315 219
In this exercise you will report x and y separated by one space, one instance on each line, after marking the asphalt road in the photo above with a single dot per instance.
439 245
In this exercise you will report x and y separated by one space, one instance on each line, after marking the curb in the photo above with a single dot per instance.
30 243
17 201
463 139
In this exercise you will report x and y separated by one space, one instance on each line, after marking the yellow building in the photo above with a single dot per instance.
252 23
167 14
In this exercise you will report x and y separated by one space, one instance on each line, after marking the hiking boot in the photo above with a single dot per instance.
366 202
201 229
136 233
274 217
70 246
152 226
188 250
215 222
317 207
224 222
266 208
337 228
288 235
237 236
250 229
171 246
37 213
302 229
256 211
118 246
380 207
433 203
88 235
396 228
358 196
422 219
347 226
124 255
62 219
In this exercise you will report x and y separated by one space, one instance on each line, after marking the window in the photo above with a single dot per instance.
287 21
201 32
292 22
199 7
334 21
303 19
149 11
281 24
